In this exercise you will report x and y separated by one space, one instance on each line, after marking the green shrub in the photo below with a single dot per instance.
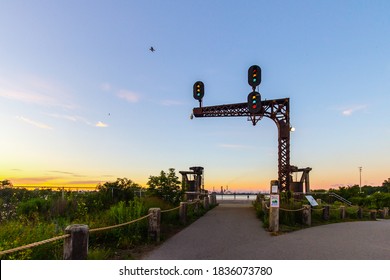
33 207
352 212
15 234
127 235
99 253
262 215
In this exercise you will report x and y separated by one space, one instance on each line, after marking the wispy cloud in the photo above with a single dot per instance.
34 123
101 124
72 118
353 109
105 87
33 180
66 173
78 119
129 96
37 91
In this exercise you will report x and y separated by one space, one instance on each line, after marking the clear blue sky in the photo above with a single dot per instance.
83 100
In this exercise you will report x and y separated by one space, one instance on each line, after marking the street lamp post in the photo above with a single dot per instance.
360 176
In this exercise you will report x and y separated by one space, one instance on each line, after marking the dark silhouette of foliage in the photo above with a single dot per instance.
166 186
122 189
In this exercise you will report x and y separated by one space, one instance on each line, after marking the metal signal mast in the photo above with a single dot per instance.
255 109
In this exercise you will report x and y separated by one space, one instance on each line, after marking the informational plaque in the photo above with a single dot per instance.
274 200
274 186
311 200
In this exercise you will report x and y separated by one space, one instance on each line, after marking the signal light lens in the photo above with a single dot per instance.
254 76
254 102
198 90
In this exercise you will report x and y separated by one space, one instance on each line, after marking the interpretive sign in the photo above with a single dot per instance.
311 200
274 186
274 200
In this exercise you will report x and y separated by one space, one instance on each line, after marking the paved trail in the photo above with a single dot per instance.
232 231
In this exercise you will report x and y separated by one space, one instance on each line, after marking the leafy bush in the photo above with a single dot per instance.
166 186
127 235
15 234
33 207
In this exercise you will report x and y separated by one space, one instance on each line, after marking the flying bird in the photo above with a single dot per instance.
152 49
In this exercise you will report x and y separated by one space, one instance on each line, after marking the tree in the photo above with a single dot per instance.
122 189
5 184
166 186
386 185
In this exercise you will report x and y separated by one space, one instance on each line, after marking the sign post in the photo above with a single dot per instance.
274 206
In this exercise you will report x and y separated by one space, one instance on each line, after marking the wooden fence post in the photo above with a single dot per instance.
273 219
263 205
196 206
183 212
326 213
373 214
213 199
76 245
206 202
154 224
306 215
385 212
360 213
342 212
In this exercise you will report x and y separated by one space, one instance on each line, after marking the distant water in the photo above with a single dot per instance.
236 197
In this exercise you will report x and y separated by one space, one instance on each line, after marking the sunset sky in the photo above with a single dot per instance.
83 100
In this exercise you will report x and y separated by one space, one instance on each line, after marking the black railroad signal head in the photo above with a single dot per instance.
198 90
254 76
254 102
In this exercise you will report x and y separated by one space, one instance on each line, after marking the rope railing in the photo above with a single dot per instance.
170 210
318 209
273 219
312 208
120 225
32 245
291 210
344 209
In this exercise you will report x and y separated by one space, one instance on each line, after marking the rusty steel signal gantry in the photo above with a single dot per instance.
277 110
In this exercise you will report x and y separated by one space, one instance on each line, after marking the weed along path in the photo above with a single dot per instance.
232 232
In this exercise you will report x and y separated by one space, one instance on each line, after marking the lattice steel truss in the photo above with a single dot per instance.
277 110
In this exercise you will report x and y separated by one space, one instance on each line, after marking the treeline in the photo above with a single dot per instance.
371 197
